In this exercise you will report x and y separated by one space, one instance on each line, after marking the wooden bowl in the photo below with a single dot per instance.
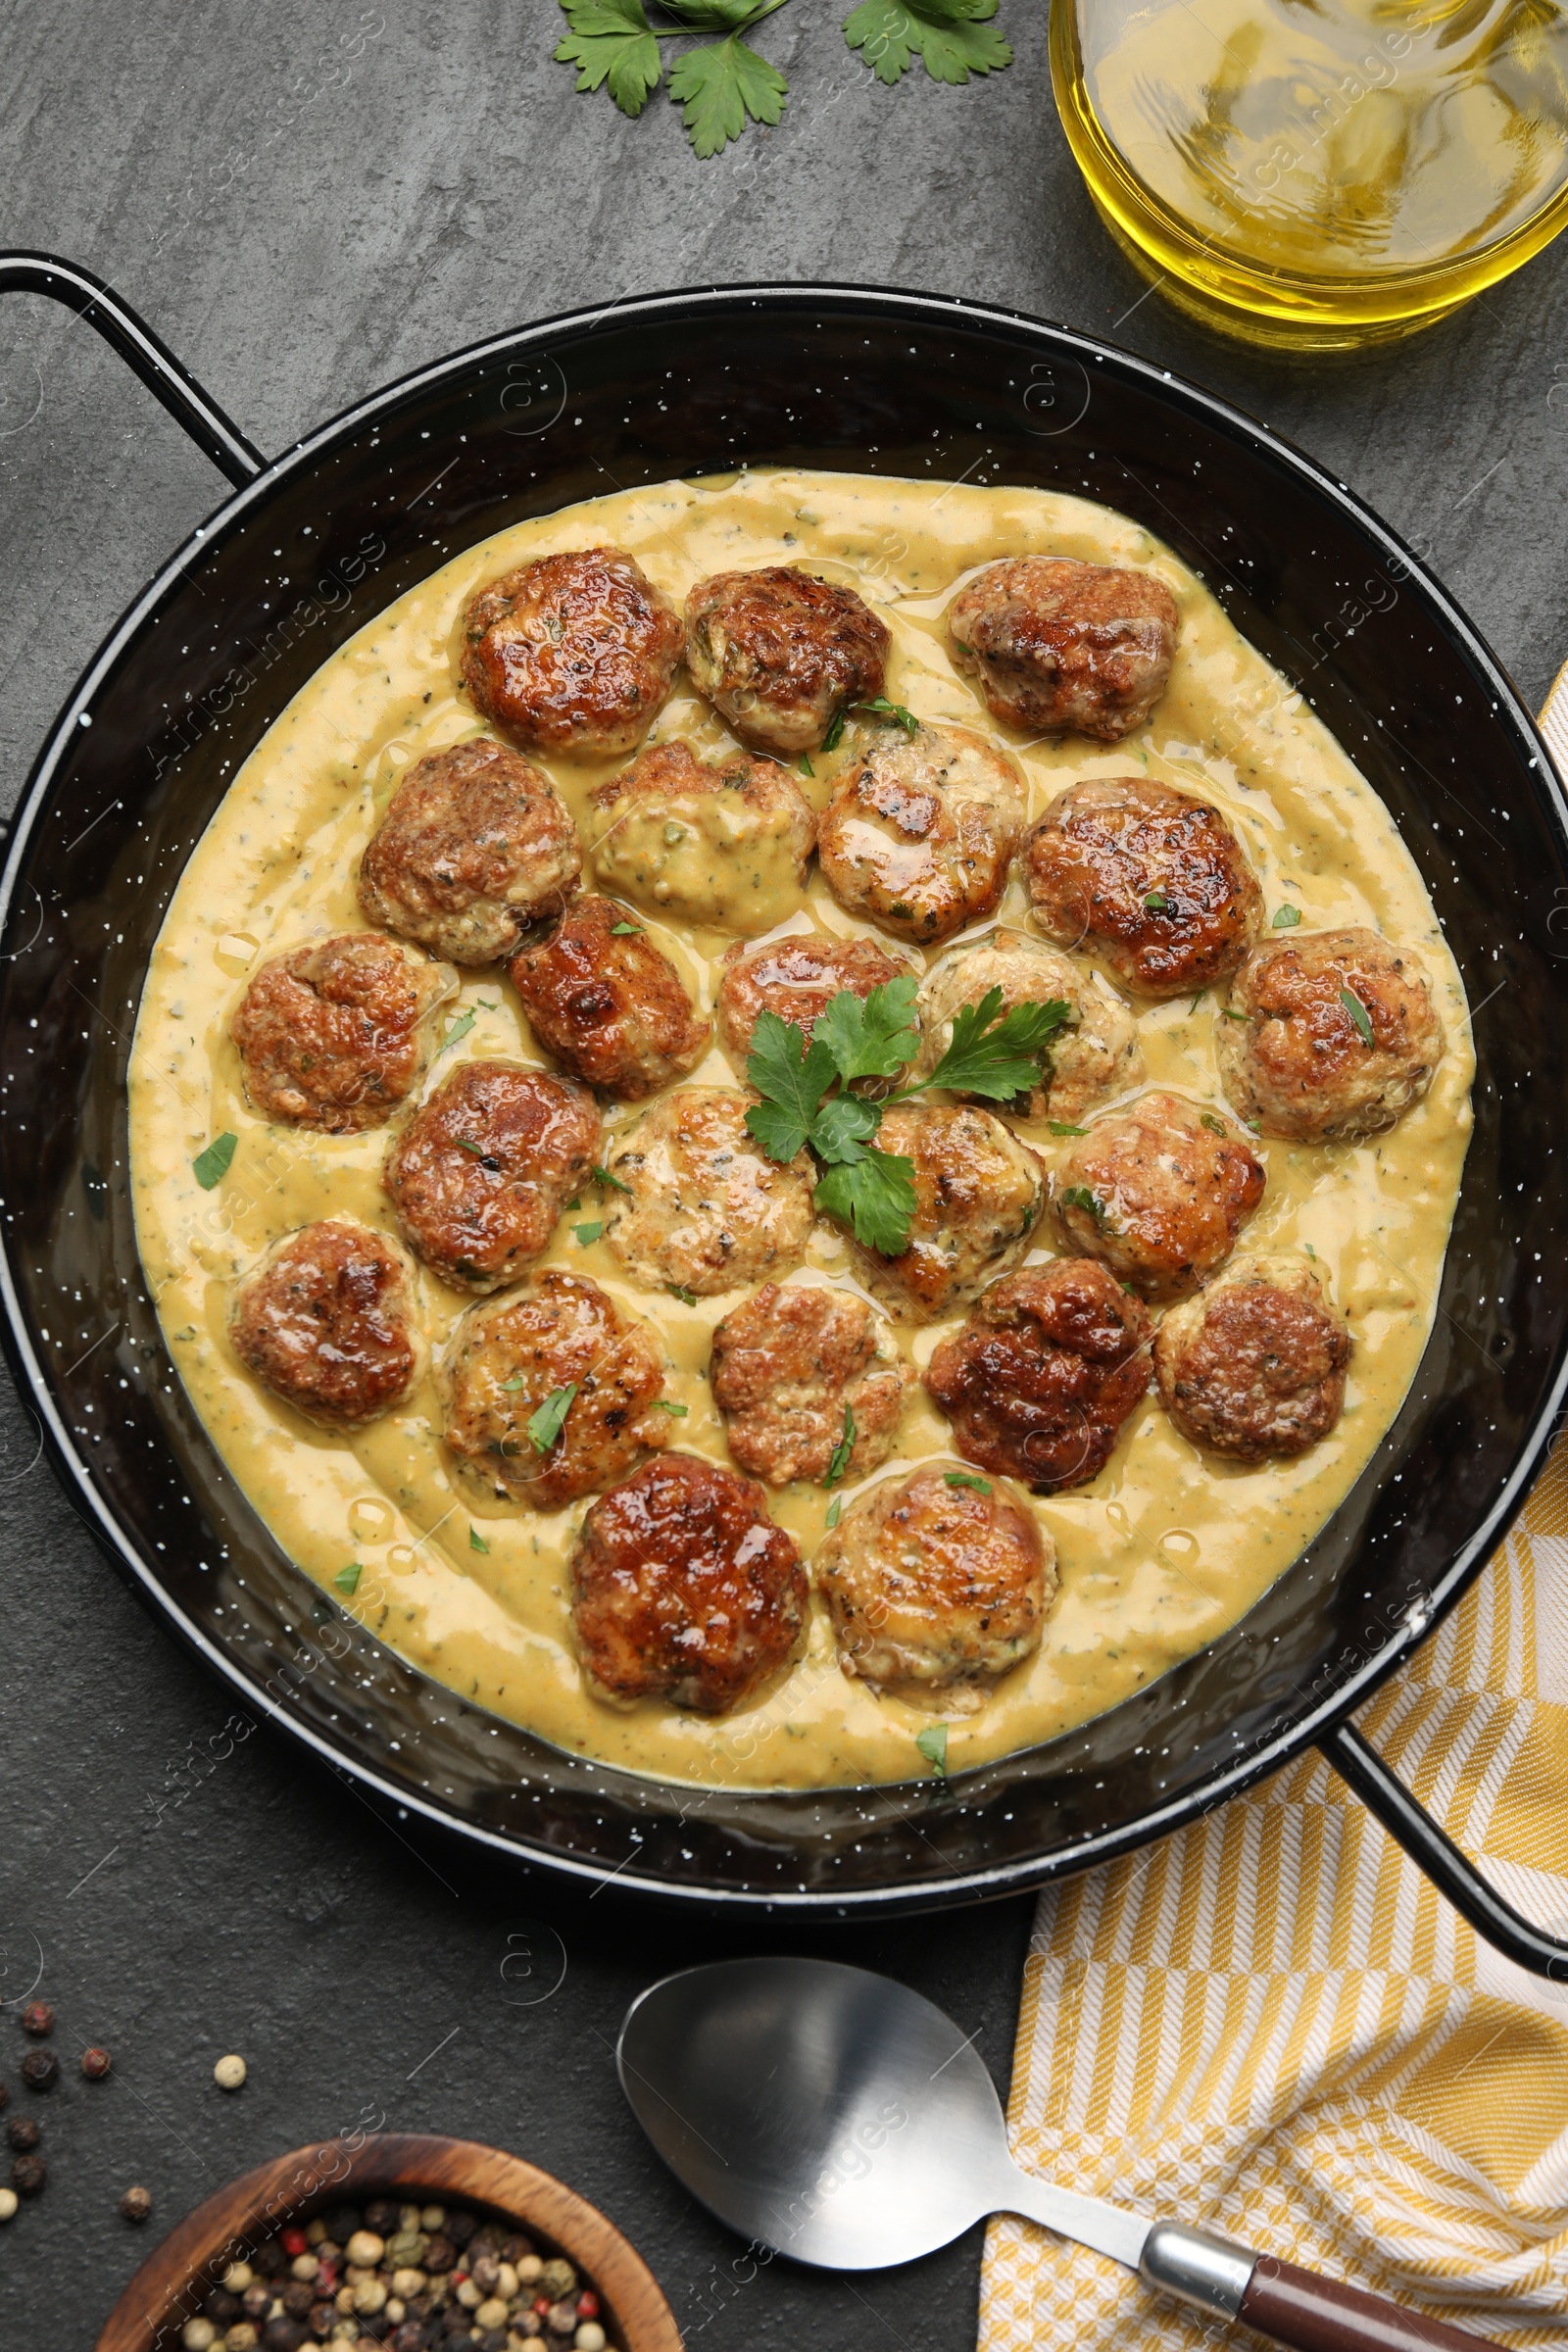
170 2286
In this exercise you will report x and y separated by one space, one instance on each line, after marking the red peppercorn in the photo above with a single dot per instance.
95 2064
587 2304
541 2304
292 2240
38 2018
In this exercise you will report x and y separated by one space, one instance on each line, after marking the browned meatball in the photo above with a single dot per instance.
698 1205
1151 879
782 654
478 1174
936 1587
798 979
601 998
1254 1366
474 846
1329 1034
1055 644
978 1193
921 829
1043 1373
561 1339
572 653
334 1035
724 845
1159 1192
683 1588
800 1369
327 1322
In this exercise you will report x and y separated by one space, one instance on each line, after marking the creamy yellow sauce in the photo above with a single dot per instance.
1168 1548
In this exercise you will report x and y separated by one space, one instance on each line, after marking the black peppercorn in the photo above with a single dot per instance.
137 2204
38 2018
29 2175
222 2306
409 2337
95 2064
381 2217
40 2070
269 2260
23 2133
322 2320
460 2228
439 2255
282 2335
341 2224
298 2296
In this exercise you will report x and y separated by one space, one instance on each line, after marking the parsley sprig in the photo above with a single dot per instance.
723 83
805 1084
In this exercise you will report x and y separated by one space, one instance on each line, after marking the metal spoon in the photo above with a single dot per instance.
837 2117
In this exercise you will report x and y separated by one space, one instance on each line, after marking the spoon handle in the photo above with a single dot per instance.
1295 2307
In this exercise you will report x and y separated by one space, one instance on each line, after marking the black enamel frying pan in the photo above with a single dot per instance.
304 552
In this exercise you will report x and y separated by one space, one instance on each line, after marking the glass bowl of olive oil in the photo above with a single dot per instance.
1319 174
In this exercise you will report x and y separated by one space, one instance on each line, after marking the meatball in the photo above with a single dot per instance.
683 1588
327 1322
798 979
1045 1371
334 1034
978 1191
783 656
1151 879
921 829
800 1371
936 1587
601 998
478 1174
1329 1034
1158 1192
1254 1366
1054 644
572 653
700 1207
727 845
474 846
551 1392
1093 1055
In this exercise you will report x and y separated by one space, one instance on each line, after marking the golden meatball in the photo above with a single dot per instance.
474 846
701 1208
1329 1034
1055 644
1095 1054
1044 1372
683 1588
1151 879
782 654
334 1034
920 831
572 653
978 1193
798 1371
936 1587
798 979
613 1010
1254 1367
551 1392
327 1322
1158 1192
725 845
478 1174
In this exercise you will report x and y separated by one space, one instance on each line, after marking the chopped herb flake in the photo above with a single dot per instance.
805 765
212 1165
933 1745
679 1291
841 1451
1157 904
1285 919
347 1578
458 1031
1358 1015
833 1510
544 1426
962 1477
1078 1196
835 733
476 1542
465 1142
626 931
603 1176
1216 1126
589 1233
666 1405
1065 1127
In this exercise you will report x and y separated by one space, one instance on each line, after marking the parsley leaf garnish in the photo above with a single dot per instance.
995 1053
871 1037
719 87
544 1426
611 42
211 1166
875 1196
962 1477
933 1745
1358 1015
953 37
792 1075
841 1451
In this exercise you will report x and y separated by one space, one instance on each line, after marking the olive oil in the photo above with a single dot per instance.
1319 174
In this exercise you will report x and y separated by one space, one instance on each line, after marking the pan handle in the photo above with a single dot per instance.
182 395
1433 1852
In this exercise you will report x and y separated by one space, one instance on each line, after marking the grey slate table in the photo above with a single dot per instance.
307 201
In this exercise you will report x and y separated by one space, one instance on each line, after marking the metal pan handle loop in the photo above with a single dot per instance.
152 359
1433 1852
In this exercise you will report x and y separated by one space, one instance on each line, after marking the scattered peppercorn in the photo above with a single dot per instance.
7 2204
23 2133
40 2070
137 2204
95 2064
39 2019
229 2072
29 2175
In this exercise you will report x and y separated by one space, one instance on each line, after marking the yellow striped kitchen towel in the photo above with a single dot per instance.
1271 2025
